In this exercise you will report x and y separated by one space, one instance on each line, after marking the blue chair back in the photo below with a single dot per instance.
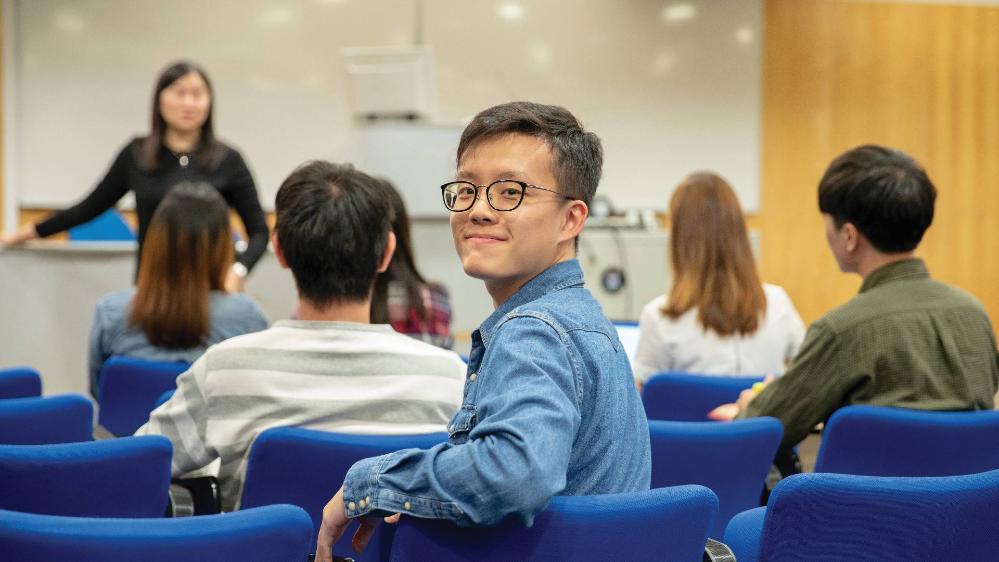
268 534
129 388
305 467
881 441
127 477
107 226
849 517
659 524
689 397
20 382
732 459
65 418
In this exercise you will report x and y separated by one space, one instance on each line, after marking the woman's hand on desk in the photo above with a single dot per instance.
19 236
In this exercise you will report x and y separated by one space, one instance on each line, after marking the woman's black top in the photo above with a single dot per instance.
231 178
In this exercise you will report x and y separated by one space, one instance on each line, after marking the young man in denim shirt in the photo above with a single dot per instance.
549 404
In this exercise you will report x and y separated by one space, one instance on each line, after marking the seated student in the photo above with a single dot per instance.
402 297
330 369
550 407
717 318
179 306
906 340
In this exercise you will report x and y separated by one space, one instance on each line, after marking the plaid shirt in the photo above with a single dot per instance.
405 318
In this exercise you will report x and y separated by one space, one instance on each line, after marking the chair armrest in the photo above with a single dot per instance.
194 496
181 502
716 551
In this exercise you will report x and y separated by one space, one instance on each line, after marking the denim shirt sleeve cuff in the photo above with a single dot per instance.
363 494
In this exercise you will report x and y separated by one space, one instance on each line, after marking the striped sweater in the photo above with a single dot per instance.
335 376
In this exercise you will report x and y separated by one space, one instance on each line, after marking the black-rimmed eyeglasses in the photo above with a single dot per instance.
502 195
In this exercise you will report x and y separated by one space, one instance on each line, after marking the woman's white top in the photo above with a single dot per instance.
665 344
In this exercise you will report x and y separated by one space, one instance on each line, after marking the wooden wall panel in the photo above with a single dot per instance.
922 78
2 77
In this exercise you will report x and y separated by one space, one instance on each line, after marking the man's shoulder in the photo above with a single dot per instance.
567 309
890 302
404 347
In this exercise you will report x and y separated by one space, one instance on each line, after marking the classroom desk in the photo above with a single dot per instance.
47 294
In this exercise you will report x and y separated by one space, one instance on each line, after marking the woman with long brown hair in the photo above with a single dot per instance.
179 306
717 318
401 296
181 146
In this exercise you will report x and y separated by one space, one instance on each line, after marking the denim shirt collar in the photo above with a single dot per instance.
913 268
559 276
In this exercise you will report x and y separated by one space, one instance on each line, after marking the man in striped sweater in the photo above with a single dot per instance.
329 369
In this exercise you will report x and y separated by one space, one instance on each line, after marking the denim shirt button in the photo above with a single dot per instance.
407 506
351 506
362 503
472 376
367 499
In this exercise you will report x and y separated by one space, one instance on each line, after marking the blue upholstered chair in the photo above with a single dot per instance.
879 441
126 477
689 397
107 226
65 418
129 388
849 517
20 382
659 524
305 467
732 459
277 533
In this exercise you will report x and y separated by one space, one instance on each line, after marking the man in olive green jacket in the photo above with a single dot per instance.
906 340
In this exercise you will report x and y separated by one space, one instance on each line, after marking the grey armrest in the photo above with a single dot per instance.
181 501
716 551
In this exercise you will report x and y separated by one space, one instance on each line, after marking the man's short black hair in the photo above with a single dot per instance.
577 157
332 224
884 192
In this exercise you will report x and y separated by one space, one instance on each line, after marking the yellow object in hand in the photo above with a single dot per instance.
758 387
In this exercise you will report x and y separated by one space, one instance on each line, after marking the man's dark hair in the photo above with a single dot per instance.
332 224
577 154
884 192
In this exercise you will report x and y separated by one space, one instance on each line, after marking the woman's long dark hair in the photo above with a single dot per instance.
209 152
186 255
402 268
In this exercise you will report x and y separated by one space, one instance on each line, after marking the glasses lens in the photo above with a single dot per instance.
459 195
505 195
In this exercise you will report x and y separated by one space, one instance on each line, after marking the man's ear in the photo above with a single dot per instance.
852 236
277 251
389 251
574 218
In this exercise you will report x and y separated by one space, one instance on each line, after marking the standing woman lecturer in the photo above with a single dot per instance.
180 148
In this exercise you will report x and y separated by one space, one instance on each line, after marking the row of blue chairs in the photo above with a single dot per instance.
612 527
811 517
686 441
129 389
732 459
709 452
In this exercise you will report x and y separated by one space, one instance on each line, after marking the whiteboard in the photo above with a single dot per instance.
670 87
